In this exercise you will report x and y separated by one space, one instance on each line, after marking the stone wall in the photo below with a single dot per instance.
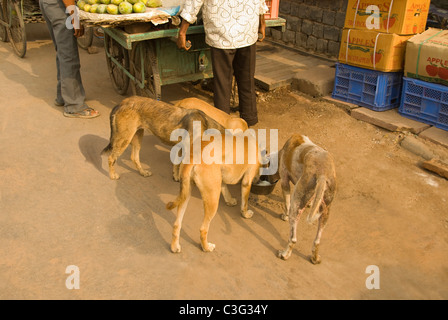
443 4
312 25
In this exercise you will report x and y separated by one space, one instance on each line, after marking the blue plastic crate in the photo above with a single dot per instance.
376 90
425 102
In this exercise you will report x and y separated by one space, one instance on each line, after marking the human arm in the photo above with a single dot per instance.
189 16
78 28
262 28
182 36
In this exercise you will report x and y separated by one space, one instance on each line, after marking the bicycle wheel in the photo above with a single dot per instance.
86 40
16 32
3 32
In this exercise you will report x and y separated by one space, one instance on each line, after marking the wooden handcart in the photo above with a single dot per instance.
151 59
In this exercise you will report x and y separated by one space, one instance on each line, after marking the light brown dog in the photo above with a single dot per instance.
129 119
311 169
211 180
224 119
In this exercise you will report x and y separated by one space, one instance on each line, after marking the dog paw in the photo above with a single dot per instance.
233 202
146 173
176 248
284 217
315 259
114 176
209 248
248 214
283 255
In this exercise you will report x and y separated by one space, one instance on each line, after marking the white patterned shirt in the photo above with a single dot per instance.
228 24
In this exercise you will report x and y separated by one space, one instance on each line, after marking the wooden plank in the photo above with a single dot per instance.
436 166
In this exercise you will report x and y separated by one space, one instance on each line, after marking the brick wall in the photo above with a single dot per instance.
312 25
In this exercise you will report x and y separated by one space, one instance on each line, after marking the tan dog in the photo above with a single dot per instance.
211 179
224 119
311 169
129 119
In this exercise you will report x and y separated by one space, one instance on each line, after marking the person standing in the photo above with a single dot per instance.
231 30
70 91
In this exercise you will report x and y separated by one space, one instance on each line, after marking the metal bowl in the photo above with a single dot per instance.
264 186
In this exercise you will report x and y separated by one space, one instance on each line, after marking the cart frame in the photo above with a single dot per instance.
151 59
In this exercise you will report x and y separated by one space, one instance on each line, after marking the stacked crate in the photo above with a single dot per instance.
425 85
371 56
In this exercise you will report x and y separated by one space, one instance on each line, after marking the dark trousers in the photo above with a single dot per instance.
70 90
241 63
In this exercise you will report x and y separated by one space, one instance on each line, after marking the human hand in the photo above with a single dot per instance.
182 42
78 32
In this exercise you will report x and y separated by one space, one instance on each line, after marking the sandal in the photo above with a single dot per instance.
88 113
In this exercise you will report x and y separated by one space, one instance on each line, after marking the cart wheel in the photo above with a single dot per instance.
86 40
120 79
16 33
144 66
3 32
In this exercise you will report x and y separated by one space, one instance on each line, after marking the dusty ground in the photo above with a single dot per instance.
58 207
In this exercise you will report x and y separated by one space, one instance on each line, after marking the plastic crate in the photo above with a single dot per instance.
376 90
425 102
273 9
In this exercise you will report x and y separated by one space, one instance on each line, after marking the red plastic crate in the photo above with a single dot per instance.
273 9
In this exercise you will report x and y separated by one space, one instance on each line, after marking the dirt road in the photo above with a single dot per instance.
58 206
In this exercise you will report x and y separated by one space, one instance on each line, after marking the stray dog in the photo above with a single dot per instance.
211 180
311 169
129 119
224 119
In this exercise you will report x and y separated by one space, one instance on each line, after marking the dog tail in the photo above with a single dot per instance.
321 186
113 129
185 188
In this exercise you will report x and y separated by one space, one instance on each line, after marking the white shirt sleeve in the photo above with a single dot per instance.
191 10
263 7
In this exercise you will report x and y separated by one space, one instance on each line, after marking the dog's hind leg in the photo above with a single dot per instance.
175 245
229 200
293 221
246 184
207 180
210 208
298 205
286 190
315 257
136 143
118 148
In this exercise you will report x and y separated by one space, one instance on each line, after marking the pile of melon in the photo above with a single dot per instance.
117 6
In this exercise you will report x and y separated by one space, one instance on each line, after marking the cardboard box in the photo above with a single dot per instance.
427 56
399 16
373 50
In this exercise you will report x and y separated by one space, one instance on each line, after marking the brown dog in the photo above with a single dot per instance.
224 119
211 180
311 169
129 119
